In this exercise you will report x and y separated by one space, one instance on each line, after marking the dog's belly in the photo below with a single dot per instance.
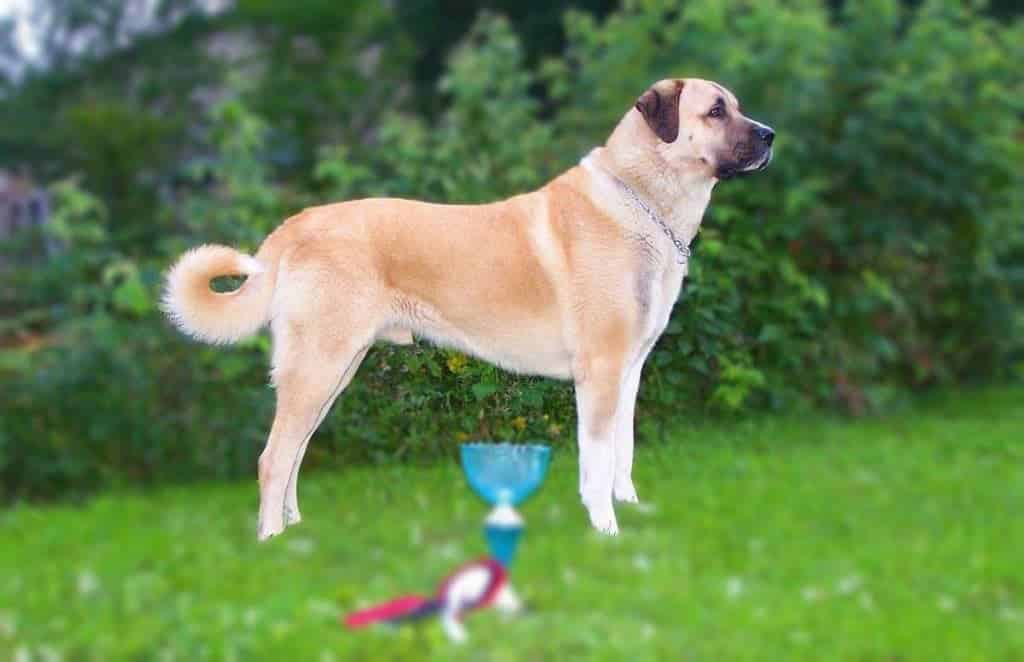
526 358
532 347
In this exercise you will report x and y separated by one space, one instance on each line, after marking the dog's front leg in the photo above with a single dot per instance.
624 432
598 394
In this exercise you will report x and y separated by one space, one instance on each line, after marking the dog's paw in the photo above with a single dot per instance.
605 526
292 516
626 493
603 519
266 529
265 535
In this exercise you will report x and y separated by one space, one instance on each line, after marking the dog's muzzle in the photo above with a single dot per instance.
751 155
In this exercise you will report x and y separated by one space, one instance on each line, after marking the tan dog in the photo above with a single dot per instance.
574 281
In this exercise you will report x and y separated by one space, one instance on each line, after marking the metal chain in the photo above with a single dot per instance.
681 248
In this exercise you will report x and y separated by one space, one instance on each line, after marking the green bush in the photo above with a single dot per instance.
879 249
883 249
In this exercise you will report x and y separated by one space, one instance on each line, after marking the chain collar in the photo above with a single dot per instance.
682 249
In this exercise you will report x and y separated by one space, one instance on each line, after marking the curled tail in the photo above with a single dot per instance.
218 317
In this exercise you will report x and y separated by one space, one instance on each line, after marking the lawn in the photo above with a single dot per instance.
802 538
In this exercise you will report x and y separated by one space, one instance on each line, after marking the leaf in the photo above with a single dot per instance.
482 390
770 333
132 297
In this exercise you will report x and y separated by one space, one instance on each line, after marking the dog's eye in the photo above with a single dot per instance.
716 111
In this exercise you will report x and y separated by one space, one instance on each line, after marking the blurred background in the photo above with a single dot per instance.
882 253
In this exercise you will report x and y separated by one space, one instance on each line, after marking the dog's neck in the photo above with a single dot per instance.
678 195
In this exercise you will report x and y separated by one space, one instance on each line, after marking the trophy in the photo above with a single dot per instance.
504 475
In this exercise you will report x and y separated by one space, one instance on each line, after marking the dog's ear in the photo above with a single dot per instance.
660 107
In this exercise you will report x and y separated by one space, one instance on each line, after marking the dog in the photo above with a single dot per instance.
575 280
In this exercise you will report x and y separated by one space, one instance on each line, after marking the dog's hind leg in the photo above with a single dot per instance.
291 504
309 373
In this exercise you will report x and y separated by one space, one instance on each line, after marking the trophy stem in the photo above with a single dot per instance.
503 530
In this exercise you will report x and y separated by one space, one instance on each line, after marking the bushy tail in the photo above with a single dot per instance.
218 317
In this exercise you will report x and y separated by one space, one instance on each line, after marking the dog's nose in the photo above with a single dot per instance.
766 135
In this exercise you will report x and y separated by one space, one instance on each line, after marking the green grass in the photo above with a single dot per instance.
897 538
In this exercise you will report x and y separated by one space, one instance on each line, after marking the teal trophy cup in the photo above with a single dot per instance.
504 475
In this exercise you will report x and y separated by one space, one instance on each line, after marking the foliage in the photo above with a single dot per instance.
797 538
881 246
35 295
490 101
329 71
883 249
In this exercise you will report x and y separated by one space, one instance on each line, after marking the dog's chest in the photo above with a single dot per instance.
657 289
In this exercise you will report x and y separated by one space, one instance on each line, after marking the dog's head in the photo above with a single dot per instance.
699 125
